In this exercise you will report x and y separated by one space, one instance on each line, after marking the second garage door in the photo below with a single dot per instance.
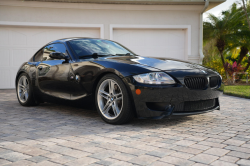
18 44
153 42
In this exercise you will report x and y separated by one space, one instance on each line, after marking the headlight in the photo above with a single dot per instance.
154 78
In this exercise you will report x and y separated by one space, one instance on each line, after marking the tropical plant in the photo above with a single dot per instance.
240 40
245 6
233 68
223 30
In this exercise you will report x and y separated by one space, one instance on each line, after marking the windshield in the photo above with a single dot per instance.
87 47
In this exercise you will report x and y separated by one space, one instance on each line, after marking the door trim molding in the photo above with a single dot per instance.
187 28
59 25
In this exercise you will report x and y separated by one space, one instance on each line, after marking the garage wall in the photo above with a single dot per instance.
18 44
108 14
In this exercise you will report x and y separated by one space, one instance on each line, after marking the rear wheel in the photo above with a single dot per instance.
24 91
112 100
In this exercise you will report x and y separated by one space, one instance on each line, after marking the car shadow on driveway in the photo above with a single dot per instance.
87 108
84 109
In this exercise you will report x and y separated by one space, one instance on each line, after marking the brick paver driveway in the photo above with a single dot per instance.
53 134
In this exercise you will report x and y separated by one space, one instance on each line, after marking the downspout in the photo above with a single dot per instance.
201 31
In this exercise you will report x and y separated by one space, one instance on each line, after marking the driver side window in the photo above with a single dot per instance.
58 47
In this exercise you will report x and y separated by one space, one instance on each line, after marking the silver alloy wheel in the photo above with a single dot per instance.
110 99
23 89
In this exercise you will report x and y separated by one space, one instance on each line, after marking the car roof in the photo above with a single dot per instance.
70 38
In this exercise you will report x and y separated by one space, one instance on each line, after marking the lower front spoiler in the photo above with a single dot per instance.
170 113
195 113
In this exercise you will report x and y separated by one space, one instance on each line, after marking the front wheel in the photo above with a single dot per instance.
24 91
112 100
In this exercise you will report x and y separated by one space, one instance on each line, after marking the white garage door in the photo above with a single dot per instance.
153 42
18 45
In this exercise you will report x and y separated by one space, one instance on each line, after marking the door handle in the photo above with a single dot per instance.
40 68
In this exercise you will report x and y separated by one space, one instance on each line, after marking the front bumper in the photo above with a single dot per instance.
158 101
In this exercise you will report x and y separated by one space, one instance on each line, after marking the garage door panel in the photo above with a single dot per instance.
39 38
4 39
86 32
158 38
157 51
122 36
5 57
18 57
153 42
53 34
138 40
5 75
138 50
13 72
18 38
19 44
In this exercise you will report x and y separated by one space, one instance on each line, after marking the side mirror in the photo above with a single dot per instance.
57 55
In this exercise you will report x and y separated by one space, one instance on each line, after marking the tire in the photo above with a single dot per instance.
25 92
115 99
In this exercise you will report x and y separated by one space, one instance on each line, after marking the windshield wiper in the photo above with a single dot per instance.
94 55
128 54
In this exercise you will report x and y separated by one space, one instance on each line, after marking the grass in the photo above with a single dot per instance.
237 90
244 80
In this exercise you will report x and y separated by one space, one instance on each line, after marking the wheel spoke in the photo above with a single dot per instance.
118 94
111 87
22 96
26 95
118 98
114 108
21 86
24 82
105 97
21 89
103 94
106 108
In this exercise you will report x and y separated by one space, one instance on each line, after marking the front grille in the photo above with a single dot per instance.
214 81
195 82
193 106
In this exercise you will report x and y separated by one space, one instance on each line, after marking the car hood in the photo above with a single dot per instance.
164 64
133 65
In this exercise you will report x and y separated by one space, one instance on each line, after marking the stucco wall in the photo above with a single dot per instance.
109 14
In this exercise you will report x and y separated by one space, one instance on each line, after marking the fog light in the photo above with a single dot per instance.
138 91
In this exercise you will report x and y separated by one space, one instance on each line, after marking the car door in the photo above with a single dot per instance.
53 74
84 73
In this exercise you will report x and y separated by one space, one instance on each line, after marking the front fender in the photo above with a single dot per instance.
28 68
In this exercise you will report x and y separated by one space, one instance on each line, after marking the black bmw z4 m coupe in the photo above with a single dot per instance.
122 84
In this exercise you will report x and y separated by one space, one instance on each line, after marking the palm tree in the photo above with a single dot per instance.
242 35
240 40
222 29
248 64
246 8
